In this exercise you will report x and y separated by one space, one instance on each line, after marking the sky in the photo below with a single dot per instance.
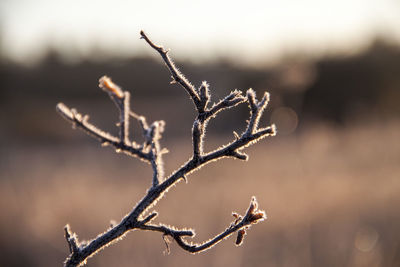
248 31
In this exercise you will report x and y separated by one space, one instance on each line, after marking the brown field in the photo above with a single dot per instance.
332 197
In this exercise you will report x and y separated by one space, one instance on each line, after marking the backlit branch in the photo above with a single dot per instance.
252 216
177 76
151 152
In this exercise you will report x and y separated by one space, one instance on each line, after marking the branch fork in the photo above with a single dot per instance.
151 152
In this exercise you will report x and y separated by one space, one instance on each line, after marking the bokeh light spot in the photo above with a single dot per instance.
286 120
366 239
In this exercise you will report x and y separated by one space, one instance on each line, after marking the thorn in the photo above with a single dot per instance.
236 135
74 112
237 217
164 151
166 242
85 118
78 117
239 155
105 143
184 178
149 218
274 130
71 239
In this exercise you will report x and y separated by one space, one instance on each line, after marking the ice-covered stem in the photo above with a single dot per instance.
205 114
122 101
256 109
177 76
252 216
82 121
151 152
205 95
152 135
153 138
71 240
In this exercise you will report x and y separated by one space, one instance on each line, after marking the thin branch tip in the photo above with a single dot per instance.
240 155
71 240
65 111
274 130
67 231
108 86
149 218
267 96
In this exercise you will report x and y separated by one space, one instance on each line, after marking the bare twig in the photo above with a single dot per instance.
177 76
252 216
150 151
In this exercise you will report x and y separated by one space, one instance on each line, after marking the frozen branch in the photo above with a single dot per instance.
82 121
177 76
151 152
252 216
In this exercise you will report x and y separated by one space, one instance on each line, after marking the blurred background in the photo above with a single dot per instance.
329 182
